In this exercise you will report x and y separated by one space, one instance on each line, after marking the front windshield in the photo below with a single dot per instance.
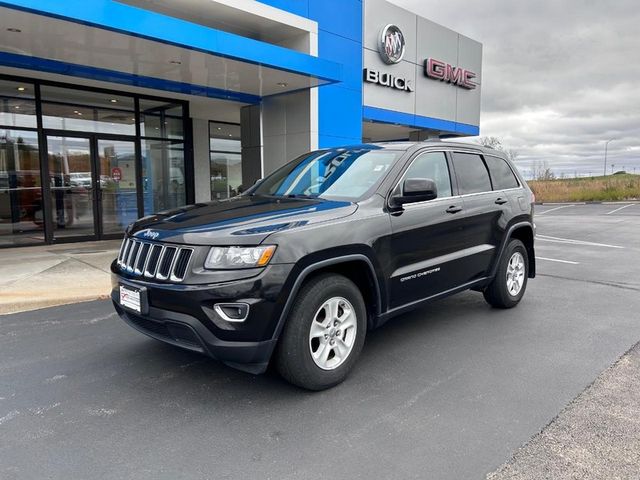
344 174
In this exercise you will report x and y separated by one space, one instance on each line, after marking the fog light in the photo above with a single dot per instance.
232 312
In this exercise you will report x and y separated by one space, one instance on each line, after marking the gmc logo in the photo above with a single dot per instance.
448 73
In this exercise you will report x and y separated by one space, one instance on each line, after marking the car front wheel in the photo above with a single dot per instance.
324 333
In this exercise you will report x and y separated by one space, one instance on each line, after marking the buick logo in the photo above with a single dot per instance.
392 44
151 234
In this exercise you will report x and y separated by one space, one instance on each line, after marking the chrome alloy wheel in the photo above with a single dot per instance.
333 333
515 274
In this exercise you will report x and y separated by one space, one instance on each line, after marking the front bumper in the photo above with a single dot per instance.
184 315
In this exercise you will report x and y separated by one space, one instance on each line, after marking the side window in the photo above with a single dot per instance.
432 165
501 173
472 173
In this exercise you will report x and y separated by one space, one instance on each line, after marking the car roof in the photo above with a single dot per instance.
405 146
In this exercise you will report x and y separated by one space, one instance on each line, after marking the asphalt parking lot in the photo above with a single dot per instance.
447 392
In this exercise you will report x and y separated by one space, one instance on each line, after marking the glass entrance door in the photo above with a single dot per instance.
92 184
71 185
118 199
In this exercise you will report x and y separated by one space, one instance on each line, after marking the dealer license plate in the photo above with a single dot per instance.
130 298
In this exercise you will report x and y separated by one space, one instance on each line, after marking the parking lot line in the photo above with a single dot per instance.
558 260
548 238
554 209
618 209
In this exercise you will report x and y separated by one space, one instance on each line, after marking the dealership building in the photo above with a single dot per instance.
111 110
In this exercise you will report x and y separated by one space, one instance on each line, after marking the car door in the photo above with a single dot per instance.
484 214
426 236
506 185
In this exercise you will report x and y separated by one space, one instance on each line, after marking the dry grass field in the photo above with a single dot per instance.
609 188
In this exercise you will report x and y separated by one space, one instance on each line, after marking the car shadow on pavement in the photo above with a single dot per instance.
401 344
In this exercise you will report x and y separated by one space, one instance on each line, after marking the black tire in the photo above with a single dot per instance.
497 294
293 356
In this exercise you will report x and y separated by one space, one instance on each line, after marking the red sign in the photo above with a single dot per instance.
116 174
448 73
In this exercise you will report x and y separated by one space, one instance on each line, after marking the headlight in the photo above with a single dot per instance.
222 258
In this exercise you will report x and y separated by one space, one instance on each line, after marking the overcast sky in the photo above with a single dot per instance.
559 77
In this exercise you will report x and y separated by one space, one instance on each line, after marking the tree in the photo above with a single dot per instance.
491 142
542 172
496 144
511 154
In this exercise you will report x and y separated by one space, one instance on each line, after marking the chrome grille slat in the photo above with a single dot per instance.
183 257
154 258
163 262
166 264
125 253
133 252
141 258
121 251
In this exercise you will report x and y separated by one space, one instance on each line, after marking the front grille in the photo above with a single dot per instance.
154 260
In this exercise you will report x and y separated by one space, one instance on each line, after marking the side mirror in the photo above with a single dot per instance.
416 190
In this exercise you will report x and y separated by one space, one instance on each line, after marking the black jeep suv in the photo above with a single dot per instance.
333 244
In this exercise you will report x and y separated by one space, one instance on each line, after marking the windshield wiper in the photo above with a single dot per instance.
300 195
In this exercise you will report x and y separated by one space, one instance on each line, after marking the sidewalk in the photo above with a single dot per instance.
48 275
597 436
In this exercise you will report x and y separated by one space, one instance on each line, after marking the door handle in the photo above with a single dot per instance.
501 201
454 209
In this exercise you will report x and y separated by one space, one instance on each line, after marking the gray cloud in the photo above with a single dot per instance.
559 77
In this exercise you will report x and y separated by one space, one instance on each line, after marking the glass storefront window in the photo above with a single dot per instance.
17 104
161 127
163 175
226 175
87 119
225 160
93 153
87 98
79 110
161 119
21 207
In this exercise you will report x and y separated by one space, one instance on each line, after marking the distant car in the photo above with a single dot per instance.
331 245
80 179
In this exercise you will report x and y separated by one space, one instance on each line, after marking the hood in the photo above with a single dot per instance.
244 220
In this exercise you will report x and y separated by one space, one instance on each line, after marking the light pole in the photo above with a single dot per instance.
606 146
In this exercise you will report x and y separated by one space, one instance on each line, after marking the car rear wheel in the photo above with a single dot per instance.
324 333
508 287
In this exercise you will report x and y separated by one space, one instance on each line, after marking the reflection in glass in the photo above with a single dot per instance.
88 119
21 212
87 111
77 96
161 126
71 186
161 119
118 201
225 160
226 175
163 177
17 104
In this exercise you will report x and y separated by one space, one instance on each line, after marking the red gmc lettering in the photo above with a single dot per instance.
448 73
467 80
454 74
435 68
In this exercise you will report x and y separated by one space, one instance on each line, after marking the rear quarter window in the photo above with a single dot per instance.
501 174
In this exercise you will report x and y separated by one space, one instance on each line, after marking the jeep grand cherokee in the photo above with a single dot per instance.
300 266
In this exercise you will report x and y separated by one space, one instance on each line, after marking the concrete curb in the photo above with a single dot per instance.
28 306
